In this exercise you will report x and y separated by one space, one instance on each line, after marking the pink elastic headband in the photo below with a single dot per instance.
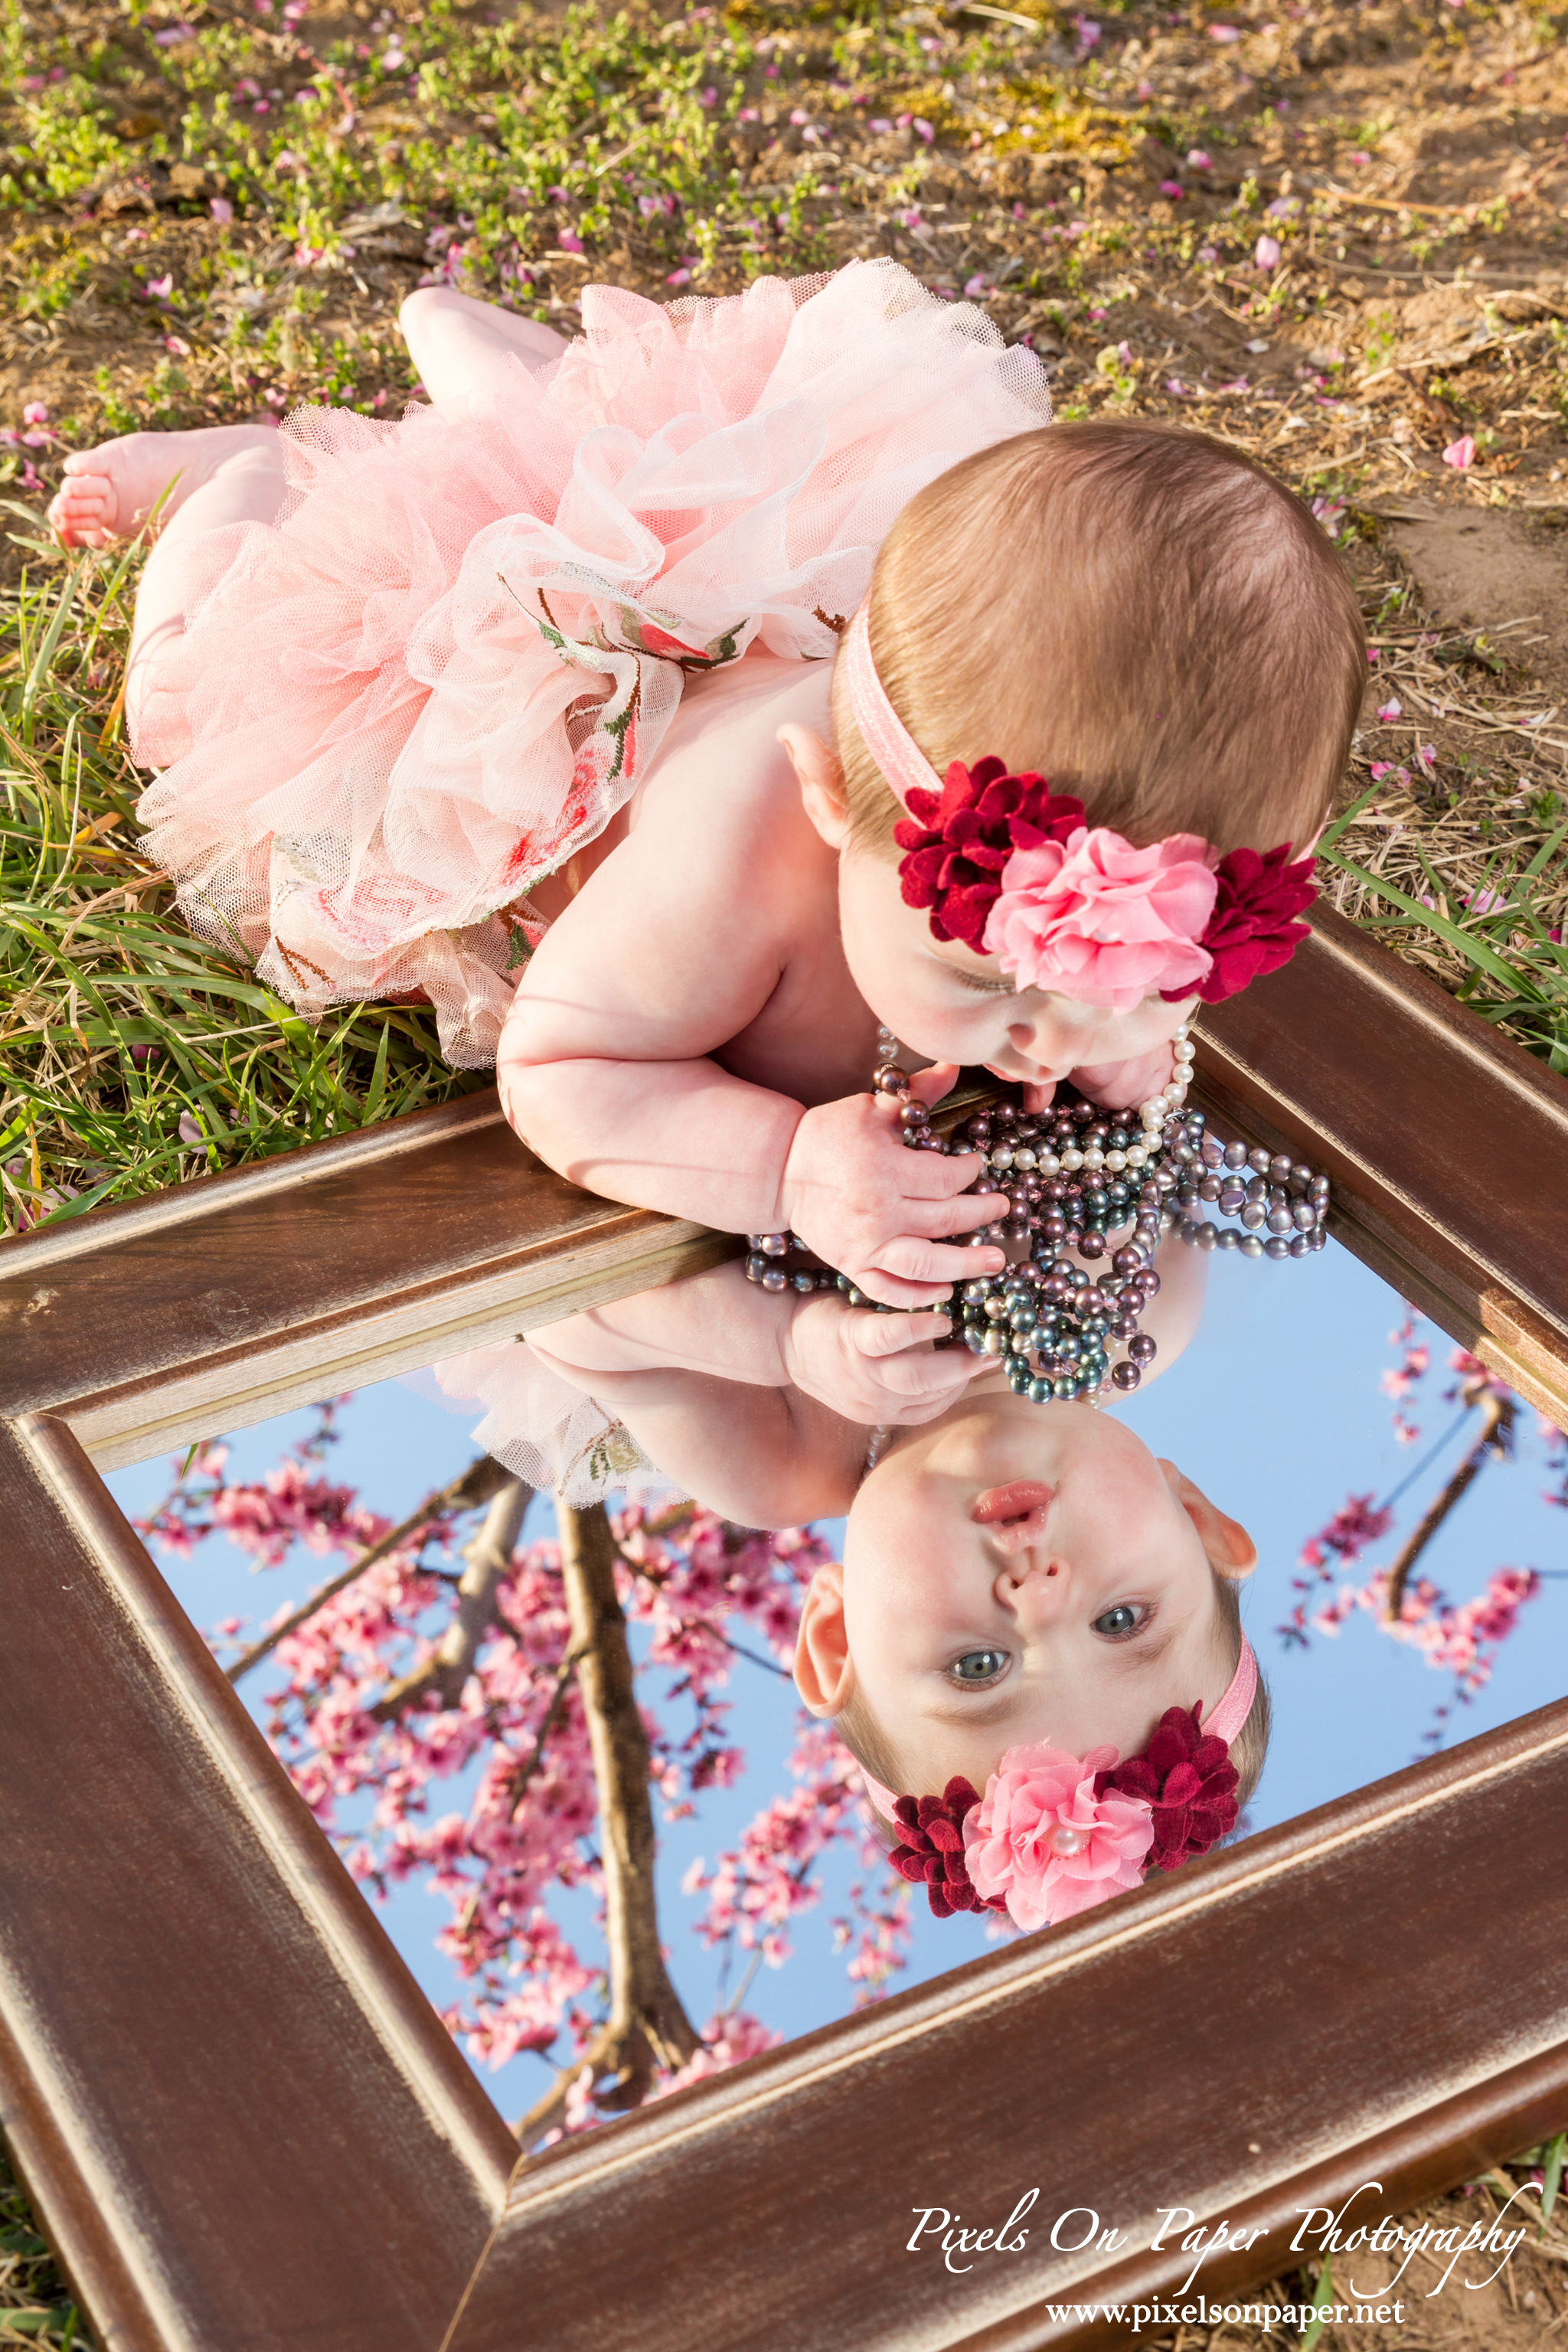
1224 1723
885 736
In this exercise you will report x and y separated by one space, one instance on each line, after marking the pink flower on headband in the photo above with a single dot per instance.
1102 922
1047 1842
1253 929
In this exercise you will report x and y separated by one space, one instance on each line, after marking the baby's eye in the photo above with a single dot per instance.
978 1667
1118 1622
986 987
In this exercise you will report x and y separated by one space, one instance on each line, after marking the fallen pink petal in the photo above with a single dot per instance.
1265 253
1460 454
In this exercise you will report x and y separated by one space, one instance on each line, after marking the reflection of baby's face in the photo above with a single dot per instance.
1014 1575
953 1006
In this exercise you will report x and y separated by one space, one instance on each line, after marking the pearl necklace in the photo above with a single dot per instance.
1076 1175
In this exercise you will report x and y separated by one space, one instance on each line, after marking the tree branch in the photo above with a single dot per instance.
646 2026
477 1483
489 1558
1492 1445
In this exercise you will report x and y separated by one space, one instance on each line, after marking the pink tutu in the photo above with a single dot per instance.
447 663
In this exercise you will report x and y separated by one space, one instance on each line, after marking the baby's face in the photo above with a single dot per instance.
1013 1575
951 1005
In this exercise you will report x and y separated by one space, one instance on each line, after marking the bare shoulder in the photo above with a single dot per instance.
721 767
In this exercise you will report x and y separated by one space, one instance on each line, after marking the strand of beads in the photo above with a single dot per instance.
1282 1204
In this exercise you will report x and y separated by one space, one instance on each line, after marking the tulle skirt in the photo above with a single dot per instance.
441 670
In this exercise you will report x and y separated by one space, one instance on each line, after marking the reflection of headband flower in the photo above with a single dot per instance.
1056 1833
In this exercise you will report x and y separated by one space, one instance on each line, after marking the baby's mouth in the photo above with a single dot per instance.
1023 1498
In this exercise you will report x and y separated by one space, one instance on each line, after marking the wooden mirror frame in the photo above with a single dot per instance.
242 2123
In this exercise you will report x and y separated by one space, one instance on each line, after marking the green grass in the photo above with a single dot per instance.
36 2307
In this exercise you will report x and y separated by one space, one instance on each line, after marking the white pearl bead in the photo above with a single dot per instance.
1152 1111
1049 1164
1072 1157
1136 1155
1182 1051
1065 1839
1116 1159
1094 1157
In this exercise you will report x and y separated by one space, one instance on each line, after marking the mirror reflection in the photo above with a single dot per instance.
631 1579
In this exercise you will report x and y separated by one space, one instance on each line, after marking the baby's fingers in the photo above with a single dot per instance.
909 1260
934 1220
890 1335
937 1175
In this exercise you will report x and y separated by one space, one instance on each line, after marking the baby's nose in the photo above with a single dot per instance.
1033 1585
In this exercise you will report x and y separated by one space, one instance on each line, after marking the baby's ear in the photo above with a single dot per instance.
1231 1550
821 781
823 1674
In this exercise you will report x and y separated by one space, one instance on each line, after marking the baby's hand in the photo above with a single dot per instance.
1125 1085
874 1368
874 1210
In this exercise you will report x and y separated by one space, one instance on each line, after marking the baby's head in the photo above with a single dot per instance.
1014 1577
1137 612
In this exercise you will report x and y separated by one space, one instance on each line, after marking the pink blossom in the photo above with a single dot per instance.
1225 33
922 130
158 289
569 241
35 413
1197 160
1102 922
221 209
1042 1840
1389 711
1460 454
1266 252
1172 188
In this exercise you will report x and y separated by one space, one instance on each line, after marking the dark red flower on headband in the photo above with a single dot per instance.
932 1851
1252 930
960 840
1186 1775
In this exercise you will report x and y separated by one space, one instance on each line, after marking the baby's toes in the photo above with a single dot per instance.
83 510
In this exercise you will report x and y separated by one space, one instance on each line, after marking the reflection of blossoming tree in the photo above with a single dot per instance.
1458 1638
442 1645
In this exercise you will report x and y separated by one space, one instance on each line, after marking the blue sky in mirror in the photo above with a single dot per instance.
1276 1412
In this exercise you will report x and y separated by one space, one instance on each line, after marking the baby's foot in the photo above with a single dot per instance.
109 492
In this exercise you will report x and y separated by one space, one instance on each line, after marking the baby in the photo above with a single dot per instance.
536 682
1142 617
1012 1578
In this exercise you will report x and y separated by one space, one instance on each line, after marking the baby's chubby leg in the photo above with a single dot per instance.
460 345
243 482
109 492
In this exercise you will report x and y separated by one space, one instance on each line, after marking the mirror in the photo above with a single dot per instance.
1301 1399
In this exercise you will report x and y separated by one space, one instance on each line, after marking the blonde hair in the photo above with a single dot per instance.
870 1746
1137 612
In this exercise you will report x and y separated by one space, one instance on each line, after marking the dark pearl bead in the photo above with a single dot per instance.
1236 1155
1126 1377
1092 1244
1142 1348
888 1080
1127 1261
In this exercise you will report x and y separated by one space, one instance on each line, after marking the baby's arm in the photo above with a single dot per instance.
871 1368
763 1457
675 946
